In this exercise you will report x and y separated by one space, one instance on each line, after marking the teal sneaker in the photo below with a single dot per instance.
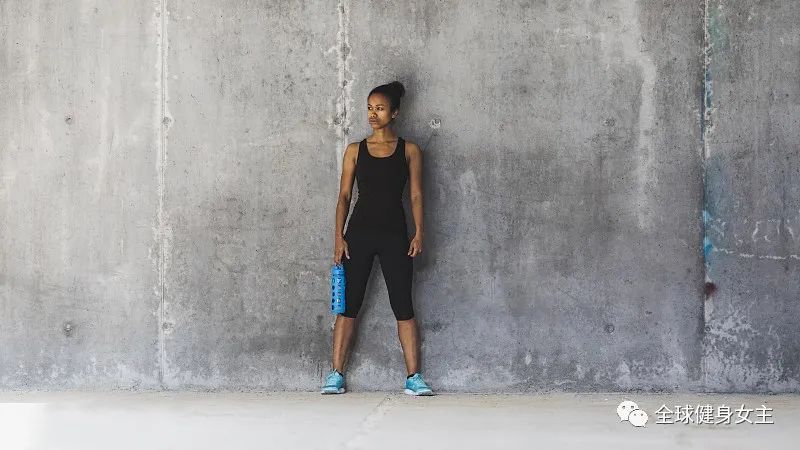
334 383
416 386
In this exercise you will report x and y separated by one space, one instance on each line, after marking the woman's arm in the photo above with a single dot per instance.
415 195
346 187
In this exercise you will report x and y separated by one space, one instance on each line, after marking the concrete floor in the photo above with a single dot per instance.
356 420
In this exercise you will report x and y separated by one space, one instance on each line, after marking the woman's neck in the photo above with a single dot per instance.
383 135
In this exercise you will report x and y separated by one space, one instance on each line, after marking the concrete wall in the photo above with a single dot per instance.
79 196
752 203
170 171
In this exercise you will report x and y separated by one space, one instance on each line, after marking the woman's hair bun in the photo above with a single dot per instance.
394 90
398 87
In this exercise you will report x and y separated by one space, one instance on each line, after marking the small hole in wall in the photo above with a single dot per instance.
68 328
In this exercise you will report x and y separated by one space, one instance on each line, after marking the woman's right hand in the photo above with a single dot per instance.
339 248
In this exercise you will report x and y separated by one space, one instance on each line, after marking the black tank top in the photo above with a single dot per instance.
381 182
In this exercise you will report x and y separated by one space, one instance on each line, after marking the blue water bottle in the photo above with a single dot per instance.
337 289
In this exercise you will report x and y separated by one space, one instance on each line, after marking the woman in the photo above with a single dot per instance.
382 164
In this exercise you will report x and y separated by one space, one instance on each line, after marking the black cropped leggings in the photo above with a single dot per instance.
396 265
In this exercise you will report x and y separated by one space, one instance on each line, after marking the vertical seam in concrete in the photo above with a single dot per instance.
646 120
344 97
705 119
705 122
163 124
630 41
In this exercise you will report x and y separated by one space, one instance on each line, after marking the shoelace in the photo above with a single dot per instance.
418 382
331 378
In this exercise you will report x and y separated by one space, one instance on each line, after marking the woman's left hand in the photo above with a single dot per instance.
415 247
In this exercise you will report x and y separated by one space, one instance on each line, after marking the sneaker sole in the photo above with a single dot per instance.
340 391
410 392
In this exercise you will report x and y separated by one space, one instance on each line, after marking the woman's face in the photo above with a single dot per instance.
378 112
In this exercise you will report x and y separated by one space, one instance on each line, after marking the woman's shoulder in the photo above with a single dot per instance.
353 147
351 152
411 146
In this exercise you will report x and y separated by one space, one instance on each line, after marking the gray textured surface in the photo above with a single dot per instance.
250 190
169 184
753 196
552 186
79 286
